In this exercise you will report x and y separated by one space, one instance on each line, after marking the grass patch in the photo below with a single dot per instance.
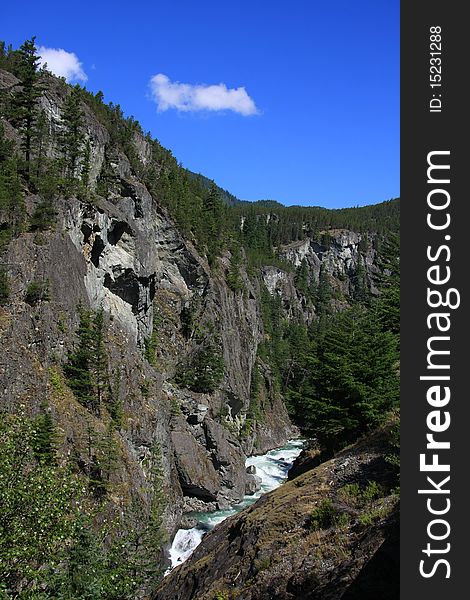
376 514
358 497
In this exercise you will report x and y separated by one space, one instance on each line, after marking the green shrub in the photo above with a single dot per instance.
50 544
261 564
326 516
372 516
175 409
43 217
37 291
4 287
206 370
323 516
150 349
359 497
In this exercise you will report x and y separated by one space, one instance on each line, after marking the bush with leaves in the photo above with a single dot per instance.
51 543
38 504
205 371
37 291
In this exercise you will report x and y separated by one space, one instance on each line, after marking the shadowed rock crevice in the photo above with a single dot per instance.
118 228
128 286
97 250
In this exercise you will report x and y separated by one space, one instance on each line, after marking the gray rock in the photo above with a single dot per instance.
188 522
252 484
197 475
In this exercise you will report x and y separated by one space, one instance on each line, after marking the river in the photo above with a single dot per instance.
272 467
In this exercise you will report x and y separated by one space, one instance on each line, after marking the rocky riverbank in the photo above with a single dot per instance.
330 533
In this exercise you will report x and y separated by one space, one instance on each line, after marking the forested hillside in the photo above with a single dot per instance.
156 331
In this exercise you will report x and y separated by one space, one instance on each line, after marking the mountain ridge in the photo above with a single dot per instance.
154 335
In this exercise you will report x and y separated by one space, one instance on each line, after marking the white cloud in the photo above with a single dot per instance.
62 63
187 97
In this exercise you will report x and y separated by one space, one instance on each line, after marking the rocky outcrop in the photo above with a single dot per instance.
342 255
312 538
121 252
339 254
308 459
115 248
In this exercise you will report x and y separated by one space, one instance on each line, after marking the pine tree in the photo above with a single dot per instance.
43 216
301 278
323 293
234 280
352 378
45 437
11 200
39 144
4 286
72 137
213 210
86 368
24 107
387 305
360 291
86 164
99 360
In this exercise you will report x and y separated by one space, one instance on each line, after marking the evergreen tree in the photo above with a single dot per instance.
302 278
39 145
72 137
24 108
206 369
360 290
11 200
86 164
43 217
4 287
234 280
323 298
351 378
86 368
213 210
387 305
45 437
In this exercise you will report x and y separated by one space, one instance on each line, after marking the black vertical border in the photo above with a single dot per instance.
422 132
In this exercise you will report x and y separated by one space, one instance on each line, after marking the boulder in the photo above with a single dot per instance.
252 484
196 472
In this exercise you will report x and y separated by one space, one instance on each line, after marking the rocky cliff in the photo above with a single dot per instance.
330 533
118 250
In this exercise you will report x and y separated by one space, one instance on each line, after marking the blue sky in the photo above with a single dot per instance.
308 112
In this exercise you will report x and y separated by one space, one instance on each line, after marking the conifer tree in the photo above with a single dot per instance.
213 210
301 278
11 201
45 437
86 164
4 286
234 280
323 293
86 369
24 108
361 292
72 137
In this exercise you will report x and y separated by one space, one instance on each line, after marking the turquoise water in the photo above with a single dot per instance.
272 467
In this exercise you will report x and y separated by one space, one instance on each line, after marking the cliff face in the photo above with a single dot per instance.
122 253
316 537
